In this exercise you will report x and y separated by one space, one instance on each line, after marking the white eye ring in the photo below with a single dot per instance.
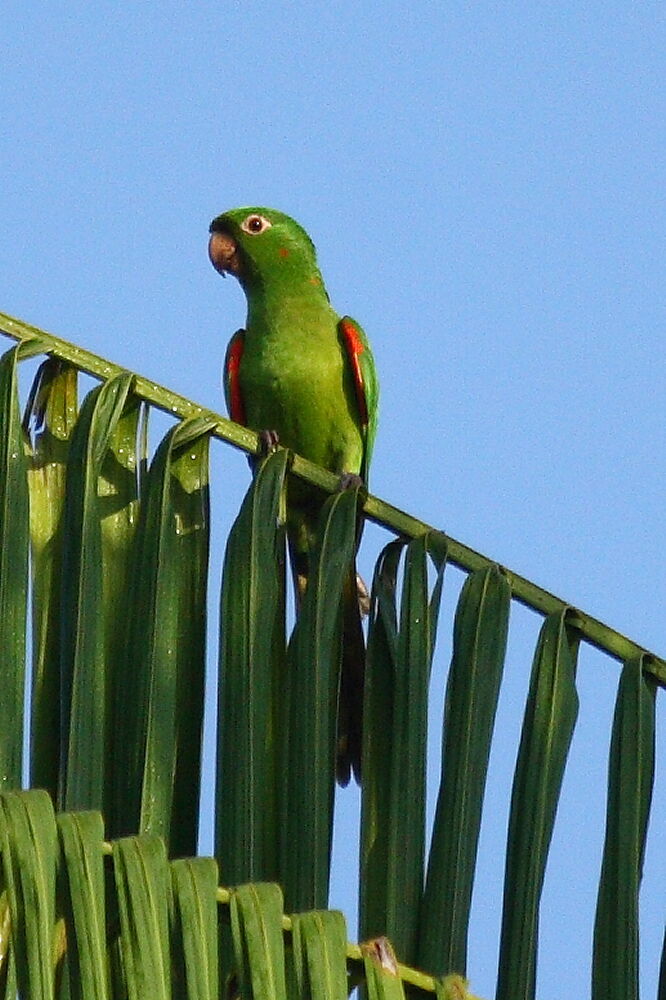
255 224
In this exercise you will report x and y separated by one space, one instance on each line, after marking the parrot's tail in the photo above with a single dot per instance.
355 604
352 674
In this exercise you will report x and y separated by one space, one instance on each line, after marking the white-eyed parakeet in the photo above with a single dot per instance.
302 372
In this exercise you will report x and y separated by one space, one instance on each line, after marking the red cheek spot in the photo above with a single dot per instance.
283 252
315 281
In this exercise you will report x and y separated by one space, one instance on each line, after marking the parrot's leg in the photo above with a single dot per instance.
269 440
350 698
363 595
349 481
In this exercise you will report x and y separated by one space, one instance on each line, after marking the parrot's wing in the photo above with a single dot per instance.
362 364
232 389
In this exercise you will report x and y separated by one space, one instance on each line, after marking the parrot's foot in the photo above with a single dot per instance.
301 585
363 595
268 440
349 481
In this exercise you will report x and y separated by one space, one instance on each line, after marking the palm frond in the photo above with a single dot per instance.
400 650
167 637
14 542
52 409
477 663
119 565
311 694
252 668
550 716
630 780
75 902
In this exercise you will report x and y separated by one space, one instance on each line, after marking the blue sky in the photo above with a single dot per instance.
484 183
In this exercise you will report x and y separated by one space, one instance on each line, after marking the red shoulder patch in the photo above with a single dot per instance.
236 406
355 347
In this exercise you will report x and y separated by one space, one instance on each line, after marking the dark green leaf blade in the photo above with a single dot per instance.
382 976
378 739
86 688
479 647
53 410
168 638
661 989
8 985
256 925
319 949
83 900
14 544
393 803
118 504
550 717
143 886
251 671
311 697
630 781
29 849
191 505
195 907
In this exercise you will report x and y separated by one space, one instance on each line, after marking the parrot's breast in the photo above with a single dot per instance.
295 380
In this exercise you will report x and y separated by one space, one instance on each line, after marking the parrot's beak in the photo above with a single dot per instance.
223 250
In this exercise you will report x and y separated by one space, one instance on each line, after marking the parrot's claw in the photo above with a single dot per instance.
349 481
268 440
363 596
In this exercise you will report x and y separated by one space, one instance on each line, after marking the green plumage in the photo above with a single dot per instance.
298 368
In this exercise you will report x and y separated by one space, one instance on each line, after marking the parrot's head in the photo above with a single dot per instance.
256 244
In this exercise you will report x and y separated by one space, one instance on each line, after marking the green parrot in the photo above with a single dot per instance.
304 376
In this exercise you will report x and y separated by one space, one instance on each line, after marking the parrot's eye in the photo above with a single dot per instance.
255 224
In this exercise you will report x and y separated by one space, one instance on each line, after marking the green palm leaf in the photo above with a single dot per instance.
309 720
195 927
143 886
630 781
118 626
53 410
83 899
382 976
252 654
394 756
479 647
550 717
167 641
256 924
318 948
29 840
14 541
86 684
